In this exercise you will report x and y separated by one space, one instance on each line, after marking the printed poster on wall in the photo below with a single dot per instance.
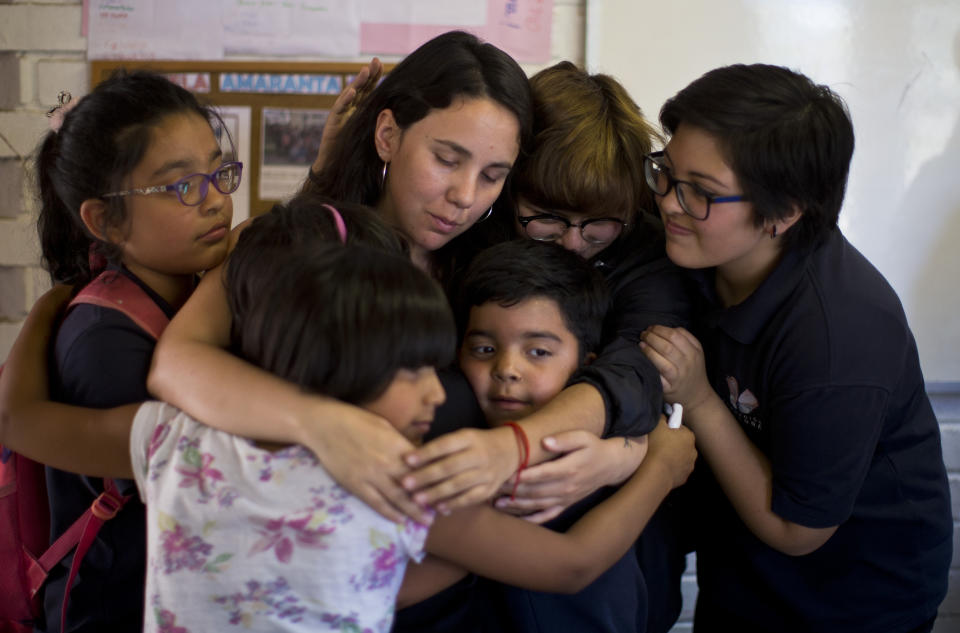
290 139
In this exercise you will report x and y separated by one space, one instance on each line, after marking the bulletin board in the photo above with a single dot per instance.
274 110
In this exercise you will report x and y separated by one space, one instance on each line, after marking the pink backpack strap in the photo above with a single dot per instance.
113 289
104 508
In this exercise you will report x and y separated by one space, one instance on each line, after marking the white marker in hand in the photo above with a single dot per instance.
674 414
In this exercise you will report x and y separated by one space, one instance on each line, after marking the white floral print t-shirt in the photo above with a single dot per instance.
243 539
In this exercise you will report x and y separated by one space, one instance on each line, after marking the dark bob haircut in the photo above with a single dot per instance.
518 270
338 320
788 140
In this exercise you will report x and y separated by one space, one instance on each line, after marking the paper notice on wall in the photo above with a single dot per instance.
329 28
435 12
149 29
520 27
235 142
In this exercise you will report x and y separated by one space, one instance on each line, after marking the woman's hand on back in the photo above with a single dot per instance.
584 464
361 86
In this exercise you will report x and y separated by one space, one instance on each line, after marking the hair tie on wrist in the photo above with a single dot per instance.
523 445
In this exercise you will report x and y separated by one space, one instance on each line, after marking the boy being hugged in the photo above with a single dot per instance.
530 314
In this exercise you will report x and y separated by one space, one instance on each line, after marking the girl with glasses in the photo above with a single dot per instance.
822 502
135 192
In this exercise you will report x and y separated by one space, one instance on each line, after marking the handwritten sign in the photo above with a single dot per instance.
147 29
187 29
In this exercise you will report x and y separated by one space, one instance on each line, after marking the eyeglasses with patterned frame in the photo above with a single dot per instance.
192 190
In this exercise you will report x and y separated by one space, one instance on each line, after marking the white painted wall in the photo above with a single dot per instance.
897 65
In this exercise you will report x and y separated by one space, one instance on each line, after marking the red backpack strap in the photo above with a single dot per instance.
84 531
112 289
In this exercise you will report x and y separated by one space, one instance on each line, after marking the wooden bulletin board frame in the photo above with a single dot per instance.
255 100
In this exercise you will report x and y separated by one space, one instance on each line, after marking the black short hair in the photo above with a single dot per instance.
517 270
336 319
788 140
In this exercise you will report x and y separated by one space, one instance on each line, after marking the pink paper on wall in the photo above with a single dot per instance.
520 27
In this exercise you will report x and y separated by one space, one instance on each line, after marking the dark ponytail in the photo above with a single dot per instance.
64 242
99 143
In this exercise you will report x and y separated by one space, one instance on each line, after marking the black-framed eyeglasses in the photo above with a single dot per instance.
546 227
694 201
192 190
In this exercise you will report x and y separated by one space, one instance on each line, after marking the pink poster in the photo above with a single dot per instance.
520 27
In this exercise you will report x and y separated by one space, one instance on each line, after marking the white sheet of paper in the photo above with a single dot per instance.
441 12
237 120
148 29
329 28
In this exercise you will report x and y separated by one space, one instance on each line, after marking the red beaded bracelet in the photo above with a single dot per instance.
524 447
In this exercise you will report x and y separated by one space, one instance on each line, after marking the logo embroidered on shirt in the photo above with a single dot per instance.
742 404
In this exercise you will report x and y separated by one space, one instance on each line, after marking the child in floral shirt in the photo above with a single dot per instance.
257 537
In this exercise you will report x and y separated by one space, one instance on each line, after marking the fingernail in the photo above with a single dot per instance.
444 510
411 460
500 503
550 442
408 483
420 499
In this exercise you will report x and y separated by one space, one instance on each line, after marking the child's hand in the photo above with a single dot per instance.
462 468
585 463
672 449
678 356
354 94
363 453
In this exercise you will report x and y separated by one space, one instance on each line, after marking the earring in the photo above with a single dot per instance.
773 232
383 175
485 216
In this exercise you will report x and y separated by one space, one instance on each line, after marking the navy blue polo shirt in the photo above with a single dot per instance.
101 359
820 369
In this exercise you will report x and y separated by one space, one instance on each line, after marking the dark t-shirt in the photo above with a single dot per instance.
101 359
821 371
